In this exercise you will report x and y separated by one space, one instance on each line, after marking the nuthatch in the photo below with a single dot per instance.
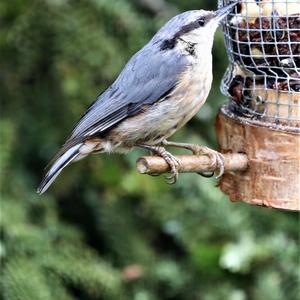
159 90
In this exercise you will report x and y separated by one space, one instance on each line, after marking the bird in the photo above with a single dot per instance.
159 90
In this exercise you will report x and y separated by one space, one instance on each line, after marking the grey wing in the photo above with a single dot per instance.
147 78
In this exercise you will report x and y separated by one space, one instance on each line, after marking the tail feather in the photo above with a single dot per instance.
58 166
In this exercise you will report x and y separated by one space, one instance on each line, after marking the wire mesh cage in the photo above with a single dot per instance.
263 45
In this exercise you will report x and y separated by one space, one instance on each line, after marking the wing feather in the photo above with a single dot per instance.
147 77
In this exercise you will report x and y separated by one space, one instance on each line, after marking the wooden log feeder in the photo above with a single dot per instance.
258 131
272 177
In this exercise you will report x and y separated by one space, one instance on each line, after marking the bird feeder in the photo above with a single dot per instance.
262 118
258 131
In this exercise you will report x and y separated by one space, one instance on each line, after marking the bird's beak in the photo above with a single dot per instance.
223 11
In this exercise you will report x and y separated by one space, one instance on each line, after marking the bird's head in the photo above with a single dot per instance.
191 27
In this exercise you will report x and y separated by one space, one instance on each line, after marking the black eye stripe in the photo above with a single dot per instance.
171 43
189 27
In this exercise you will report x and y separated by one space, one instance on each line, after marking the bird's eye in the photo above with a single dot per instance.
201 22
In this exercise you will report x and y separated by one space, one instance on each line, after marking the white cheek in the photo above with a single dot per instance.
202 37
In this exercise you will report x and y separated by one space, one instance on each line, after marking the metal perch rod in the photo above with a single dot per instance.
191 164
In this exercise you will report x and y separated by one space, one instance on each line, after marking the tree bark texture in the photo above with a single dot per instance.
273 176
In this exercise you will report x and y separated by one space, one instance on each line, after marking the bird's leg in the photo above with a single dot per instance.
170 159
216 157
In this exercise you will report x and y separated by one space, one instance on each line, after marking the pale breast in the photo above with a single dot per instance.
192 91
162 119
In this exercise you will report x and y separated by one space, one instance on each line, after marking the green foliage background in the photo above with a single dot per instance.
103 231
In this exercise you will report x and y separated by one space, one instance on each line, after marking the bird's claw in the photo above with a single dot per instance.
217 159
172 179
220 165
154 174
207 175
170 159
174 164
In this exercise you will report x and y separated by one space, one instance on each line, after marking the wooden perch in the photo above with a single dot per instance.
191 164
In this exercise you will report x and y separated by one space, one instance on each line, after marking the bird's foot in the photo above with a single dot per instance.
217 159
170 159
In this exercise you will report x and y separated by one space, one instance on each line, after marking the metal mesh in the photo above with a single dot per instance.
263 45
